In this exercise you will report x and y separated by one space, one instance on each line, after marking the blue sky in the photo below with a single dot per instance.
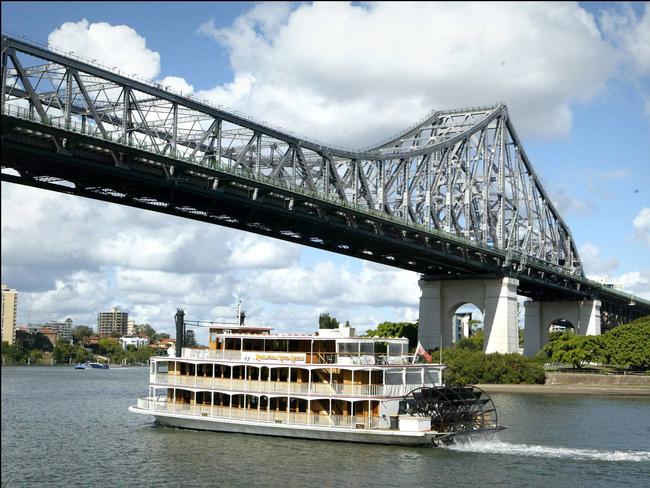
575 76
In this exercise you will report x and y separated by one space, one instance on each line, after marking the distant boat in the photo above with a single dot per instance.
88 365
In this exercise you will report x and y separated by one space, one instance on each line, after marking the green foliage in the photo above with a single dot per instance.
575 350
472 343
151 333
65 353
466 366
14 352
397 329
327 322
628 345
112 348
81 333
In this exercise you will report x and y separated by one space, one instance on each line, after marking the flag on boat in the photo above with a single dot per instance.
420 351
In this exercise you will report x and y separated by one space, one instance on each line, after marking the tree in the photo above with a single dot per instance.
397 329
472 343
64 352
575 350
112 348
81 333
14 352
629 345
465 366
147 330
327 322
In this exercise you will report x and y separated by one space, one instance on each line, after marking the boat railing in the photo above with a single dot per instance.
283 387
261 415
310 358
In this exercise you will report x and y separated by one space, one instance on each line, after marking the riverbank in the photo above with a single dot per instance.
576 389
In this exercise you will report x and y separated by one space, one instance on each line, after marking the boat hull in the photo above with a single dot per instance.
375 436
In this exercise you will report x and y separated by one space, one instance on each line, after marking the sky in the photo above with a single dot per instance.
575 77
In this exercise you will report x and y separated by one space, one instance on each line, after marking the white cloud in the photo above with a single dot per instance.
112 45
328 284
349 73
594 263
85 234
567 204
642 225
178 84
631 32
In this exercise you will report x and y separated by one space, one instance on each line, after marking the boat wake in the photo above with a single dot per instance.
499 447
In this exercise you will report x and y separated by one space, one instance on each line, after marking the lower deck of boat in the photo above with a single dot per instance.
370 436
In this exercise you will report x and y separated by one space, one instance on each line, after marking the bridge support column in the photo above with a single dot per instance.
500 317
430 320
534 337
497 300
583 315
590 318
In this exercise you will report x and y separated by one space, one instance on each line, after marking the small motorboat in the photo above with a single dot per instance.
97 365
89 365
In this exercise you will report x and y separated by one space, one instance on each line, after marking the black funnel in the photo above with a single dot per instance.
180 330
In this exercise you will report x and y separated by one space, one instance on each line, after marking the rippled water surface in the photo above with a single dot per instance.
67 427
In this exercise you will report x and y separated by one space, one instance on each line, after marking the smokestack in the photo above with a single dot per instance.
180 330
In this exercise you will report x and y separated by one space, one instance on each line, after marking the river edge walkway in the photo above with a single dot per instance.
614 390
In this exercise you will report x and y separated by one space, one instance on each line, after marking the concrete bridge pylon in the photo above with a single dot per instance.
584 316
496 298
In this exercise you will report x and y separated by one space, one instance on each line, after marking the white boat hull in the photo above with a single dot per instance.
375 436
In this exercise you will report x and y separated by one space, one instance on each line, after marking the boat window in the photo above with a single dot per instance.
431 376
414 377
279 345
394 377
349 347
394 349
367 347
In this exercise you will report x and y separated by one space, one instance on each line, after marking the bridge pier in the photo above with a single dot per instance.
583 315
497 300
500 316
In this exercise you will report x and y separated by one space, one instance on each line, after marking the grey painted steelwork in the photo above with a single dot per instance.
452 196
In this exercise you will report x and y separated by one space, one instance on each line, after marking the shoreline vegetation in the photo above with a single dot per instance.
622 350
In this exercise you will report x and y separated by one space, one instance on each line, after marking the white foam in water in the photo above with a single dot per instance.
499 447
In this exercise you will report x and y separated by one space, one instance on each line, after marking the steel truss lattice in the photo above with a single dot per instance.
461 172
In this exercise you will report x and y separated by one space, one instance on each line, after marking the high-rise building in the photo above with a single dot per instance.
113 321
64 328
9 311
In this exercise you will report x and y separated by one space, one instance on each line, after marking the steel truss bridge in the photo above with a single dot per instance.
452 197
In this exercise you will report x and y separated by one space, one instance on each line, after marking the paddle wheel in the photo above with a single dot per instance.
454 411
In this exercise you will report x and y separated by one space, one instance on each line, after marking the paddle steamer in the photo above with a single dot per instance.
330 385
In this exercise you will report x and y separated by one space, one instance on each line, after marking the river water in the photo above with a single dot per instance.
67 427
